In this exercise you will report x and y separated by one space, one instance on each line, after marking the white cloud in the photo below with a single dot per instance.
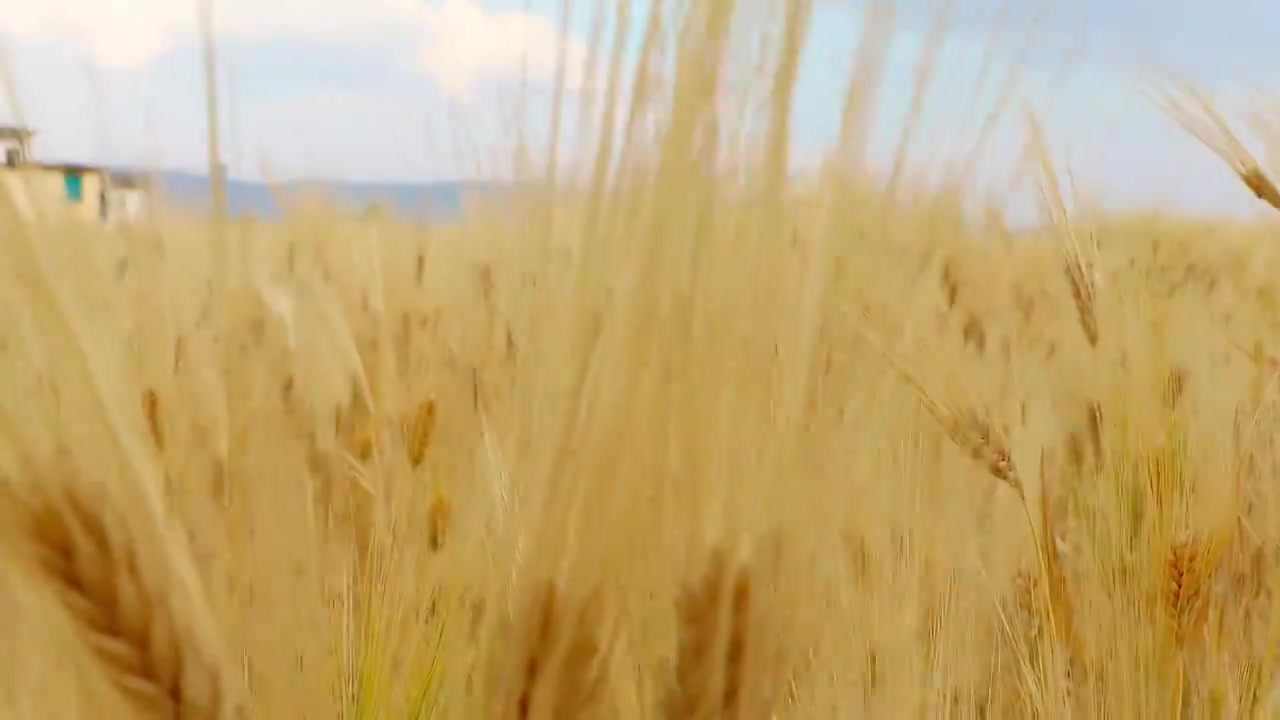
114 33
370 135
457 43
465 45
132 33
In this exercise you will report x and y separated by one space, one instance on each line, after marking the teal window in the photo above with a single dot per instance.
74 183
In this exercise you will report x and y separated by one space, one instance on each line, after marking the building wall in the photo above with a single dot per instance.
48 185
21 147
127 204
92 199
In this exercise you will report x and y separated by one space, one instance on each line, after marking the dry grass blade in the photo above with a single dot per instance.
1195 113
124 600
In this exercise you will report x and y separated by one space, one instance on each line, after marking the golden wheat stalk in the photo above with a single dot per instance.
128 603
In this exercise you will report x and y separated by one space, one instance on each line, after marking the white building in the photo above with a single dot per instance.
94 191
129 197
15 142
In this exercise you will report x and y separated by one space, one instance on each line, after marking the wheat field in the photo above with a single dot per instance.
677 435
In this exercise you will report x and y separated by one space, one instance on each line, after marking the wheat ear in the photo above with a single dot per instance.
977 435
729 663
1184 604
1079 269
713 627
563 644
1184 588
971 431
1195 113
132 603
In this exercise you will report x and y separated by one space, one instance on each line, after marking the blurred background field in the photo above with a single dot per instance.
665 429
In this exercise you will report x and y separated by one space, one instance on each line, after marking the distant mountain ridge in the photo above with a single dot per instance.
255 199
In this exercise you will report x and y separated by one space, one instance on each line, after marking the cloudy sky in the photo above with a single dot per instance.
399 89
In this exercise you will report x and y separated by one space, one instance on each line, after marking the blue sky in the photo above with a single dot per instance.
407 89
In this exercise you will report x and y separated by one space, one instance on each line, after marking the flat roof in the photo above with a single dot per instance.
65 167
129 180
123 179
